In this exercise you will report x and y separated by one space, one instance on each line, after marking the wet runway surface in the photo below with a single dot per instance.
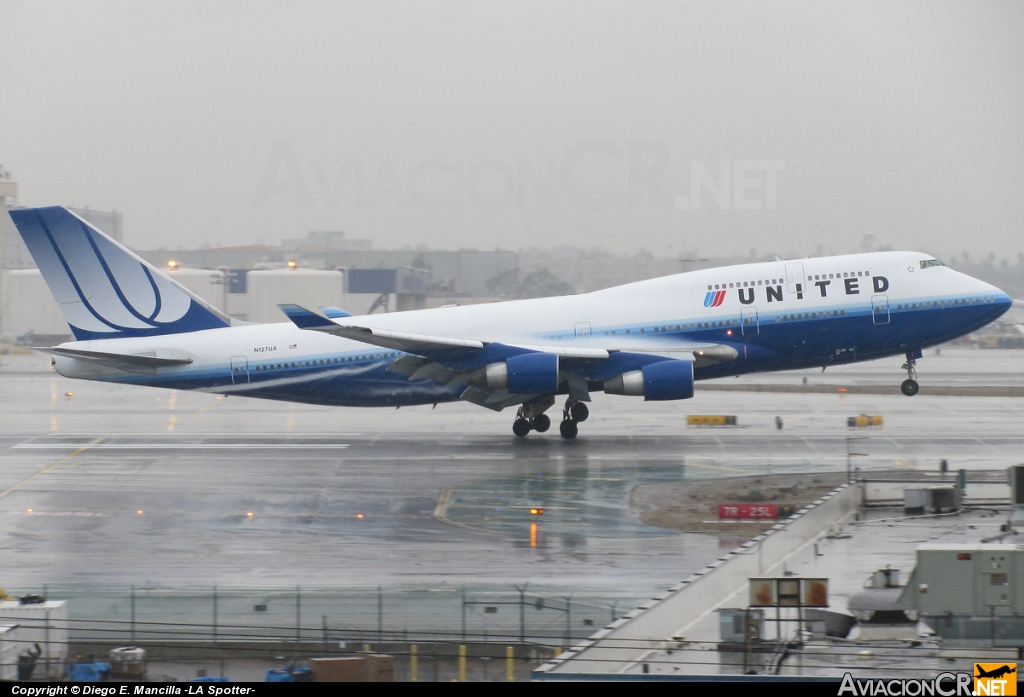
118 485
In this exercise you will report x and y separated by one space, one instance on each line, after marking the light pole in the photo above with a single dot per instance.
522 611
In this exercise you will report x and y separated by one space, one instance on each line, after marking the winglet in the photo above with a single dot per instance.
305 319
334 312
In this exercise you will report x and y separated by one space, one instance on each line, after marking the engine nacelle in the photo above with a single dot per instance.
530 373
659 381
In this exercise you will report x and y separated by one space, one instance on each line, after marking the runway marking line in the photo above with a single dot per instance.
722 468
48 468
184 446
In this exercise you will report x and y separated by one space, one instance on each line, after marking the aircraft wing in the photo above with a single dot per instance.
411 343
448 360
131 363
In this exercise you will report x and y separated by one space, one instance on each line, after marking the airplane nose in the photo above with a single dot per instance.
995 302
1001 302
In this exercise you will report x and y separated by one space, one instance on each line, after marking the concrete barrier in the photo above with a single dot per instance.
667 617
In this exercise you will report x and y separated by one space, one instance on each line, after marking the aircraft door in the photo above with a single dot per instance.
239 370
582 329
795 277
748 322
880 309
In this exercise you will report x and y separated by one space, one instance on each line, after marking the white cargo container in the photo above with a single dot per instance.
29 307
9 650
311 288
45 624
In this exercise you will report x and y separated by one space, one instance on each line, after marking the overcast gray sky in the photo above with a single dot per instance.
713 126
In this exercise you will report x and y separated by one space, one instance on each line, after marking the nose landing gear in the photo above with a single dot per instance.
910 386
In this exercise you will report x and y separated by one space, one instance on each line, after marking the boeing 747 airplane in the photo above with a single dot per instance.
650 339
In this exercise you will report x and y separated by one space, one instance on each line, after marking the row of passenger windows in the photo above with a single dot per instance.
944 303
722 286
675 328
845 274
325 361
776 281
810 315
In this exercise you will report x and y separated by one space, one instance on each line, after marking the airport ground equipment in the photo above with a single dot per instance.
865 421
711 420
970 595
740 625
931 499
88 671
128 662
366 667
290 674
877 603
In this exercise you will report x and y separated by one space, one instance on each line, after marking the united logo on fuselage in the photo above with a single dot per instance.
714 298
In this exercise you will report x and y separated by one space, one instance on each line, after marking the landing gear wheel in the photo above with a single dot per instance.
910 386
568 429
521 427
541 423
579 412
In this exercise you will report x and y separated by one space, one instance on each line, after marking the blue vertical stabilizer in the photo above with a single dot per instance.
104 290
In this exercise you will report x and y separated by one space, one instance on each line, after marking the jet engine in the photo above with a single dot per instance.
529 373
671 379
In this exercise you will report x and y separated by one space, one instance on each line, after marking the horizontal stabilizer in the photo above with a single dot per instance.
131 363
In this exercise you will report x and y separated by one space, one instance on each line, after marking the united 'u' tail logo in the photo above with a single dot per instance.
714 298
105 291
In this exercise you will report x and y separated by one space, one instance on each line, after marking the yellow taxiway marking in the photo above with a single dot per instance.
44 470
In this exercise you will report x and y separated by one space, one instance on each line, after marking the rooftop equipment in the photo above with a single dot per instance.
970 595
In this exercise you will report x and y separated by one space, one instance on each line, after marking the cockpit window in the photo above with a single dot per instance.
925 263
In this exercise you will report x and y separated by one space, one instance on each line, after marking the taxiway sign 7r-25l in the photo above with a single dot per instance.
651 339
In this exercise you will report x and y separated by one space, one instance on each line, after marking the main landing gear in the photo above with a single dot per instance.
573 414
528 419
910 386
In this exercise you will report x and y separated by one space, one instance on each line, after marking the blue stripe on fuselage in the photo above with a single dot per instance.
786 340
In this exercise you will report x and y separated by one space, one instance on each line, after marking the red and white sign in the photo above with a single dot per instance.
748 511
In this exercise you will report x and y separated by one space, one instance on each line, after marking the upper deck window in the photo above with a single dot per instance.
925 263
